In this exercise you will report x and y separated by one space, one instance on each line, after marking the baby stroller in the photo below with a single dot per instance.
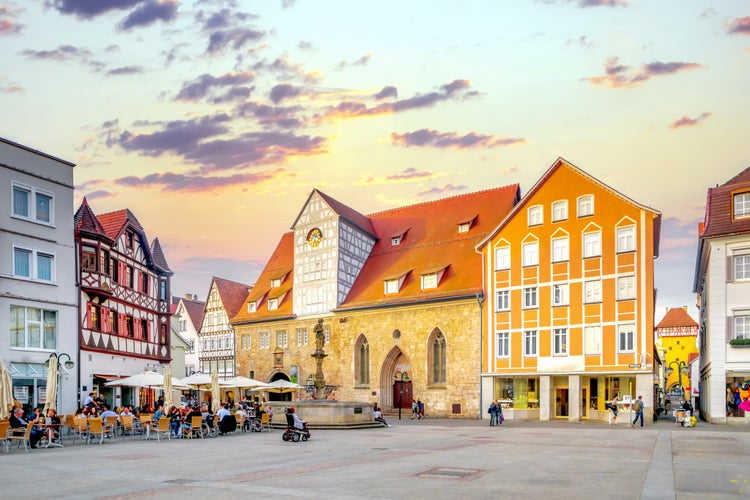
292 433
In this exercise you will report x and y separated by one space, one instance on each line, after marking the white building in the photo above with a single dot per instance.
189 316
722 282
38 294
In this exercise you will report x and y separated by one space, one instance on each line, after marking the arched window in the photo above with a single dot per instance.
362 361
437 357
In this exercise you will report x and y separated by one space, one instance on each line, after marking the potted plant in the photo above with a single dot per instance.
740 342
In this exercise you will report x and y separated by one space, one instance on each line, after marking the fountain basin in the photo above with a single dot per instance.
326 414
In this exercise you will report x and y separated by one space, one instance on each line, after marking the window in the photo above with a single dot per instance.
282 339
301 336
32 328
251 307
114 322
741 327
625 337
129 276
144 282
129 327
145 326
530 343
531 254
88 259
503 300
585 205
438 357
529 298
536 215
592 291
115 268
560 210
592 245
191 350
162 289
264 340
593 339
276 282
183 325
395 241
33 264
560 294
464 227
273 304
742 267
390 286
503 344
362 368
560 339
625 239
502 258
129 239
32 204
625 287
246 342
95 322
741 205
560 249
429 281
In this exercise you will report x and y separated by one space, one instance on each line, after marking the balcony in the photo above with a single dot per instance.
96 284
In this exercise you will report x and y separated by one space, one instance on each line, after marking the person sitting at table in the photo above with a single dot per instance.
126 411
158 414
193 412
227 422
175 418
18 424
36 416
106 412
54 422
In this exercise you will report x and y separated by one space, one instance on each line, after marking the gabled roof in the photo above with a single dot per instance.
158 254
232 293
194 310
281 261
719 220
85 221
563 163
676 317
342 210
114 222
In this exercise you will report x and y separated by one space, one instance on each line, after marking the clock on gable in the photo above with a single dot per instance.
314 237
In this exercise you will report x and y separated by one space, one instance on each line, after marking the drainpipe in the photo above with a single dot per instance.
480 301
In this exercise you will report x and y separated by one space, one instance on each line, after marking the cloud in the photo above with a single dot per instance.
125 70
8 27
287 4
438 191
385 92
88 9
9 88
582 41
287 70
180 136
271 116
739 25
234 38
618 75
100 193
689 122
602 3
186 183
433 138
233 94
284 91
362 61
223 18
198 88
305 46
148 13
62 53
410 174
355 109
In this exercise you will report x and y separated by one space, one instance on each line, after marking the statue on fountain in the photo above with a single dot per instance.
320 338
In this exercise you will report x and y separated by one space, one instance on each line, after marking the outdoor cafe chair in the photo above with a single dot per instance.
240 421
196 427
110 425
80 429
265 421
126 425
70 423
4 441
162 428
24 438
96 428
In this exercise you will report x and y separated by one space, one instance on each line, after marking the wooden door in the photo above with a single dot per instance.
404 395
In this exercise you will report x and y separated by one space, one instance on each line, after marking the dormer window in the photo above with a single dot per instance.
431 277
390 286
741 205
464 227
398 237
273 304
252 307
395 241
129 237
276 282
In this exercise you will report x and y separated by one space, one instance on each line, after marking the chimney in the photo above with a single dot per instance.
188 296
684 308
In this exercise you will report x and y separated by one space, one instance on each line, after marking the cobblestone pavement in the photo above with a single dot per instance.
432 458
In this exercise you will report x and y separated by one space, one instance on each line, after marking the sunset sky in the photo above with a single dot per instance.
212 121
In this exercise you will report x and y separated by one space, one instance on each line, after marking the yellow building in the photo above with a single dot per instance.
676 336
569 315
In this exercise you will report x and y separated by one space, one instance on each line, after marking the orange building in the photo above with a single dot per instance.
569 314
676 337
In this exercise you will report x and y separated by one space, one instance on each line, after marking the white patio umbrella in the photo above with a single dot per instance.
215 394
51 392
243 383
146 379
200 381
280 387
167 388
6 392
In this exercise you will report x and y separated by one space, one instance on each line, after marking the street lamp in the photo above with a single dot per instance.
400 377
682 368
68 364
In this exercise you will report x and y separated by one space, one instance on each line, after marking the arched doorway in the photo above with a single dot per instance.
396 381
275 396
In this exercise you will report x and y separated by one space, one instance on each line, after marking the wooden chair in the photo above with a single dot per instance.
240 421
70 423
110 425
96 428
80 429
162 428
4 441
196 427
265 421
126 424
24 438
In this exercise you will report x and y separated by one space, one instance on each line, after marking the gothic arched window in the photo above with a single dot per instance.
362 361
437 357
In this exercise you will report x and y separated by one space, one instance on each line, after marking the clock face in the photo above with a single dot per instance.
314 237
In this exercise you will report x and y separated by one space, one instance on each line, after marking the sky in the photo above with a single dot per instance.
213 120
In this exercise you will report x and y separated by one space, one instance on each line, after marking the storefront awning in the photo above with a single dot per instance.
106 377
32 370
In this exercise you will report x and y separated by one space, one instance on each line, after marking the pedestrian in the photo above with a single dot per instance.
638 407
493 413
420 408
414 409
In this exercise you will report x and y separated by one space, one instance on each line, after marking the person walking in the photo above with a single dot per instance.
414 409
493 413
638 407
420 409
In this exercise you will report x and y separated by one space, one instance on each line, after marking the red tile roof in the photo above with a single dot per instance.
114 222
676 317
194 310
719 208
232 294
159 259
85 220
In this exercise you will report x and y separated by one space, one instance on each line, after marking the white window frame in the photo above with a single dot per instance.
273 304
251 306
390 286
741 327
626 287
282 338
560 342
276 282
34 254
530 298
560 294
592 244
502 344
41 344
585 205
741 205
502 300
592 291
429 281
395 241
464 227
536 215
741 267
560 211
502 258
626 239
560 249
301 336
531 254
530 344
626 337
592 339
264 340
32 214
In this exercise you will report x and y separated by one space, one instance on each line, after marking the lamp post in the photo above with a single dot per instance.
682 368
68 364
400 377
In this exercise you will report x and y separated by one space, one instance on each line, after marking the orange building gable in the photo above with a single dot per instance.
570 299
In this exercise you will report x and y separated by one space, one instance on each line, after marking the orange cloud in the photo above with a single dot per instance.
689 122
433 138
618 75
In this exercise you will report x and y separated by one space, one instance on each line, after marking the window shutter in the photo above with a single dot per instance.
105 320
136 328
121 327
730 329
88 315
730 273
